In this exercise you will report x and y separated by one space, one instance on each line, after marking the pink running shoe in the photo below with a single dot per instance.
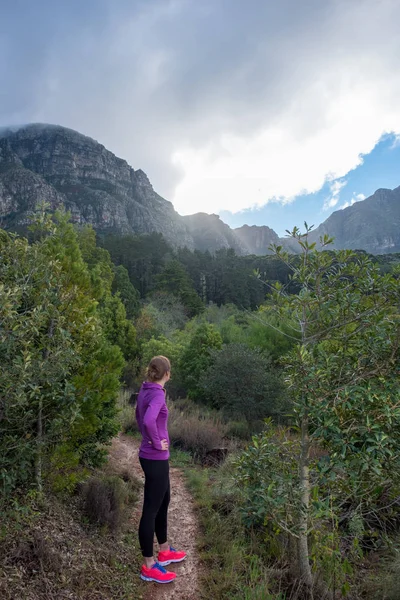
170 556
157 573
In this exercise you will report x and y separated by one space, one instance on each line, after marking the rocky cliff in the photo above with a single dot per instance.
372 224
209 232
257 239
64 168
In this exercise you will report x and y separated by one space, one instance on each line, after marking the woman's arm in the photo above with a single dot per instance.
150 418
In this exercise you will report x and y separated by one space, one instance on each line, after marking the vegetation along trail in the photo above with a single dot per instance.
182 523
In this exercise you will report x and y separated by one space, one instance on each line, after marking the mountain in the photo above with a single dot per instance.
257 238
372 224
66 169
208 232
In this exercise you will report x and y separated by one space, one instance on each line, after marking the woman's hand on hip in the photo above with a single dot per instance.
164 444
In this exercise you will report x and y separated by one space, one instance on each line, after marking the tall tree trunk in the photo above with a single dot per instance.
304 562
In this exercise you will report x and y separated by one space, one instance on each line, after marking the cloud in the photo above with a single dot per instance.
225 105
333 198
396 141
353 200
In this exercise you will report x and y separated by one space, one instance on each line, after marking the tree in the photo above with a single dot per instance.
118 329
97 260
128 293
175 280
242 382
143 256
166 312
59 375
197 357
342 376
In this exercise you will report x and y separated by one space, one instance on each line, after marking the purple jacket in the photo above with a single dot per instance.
152 419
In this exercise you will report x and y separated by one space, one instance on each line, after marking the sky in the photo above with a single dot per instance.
265 112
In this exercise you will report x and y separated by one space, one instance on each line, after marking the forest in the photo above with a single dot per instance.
287 363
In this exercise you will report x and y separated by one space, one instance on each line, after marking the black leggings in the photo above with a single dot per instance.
155 504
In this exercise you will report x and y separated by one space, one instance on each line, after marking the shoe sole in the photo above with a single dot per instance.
155 580
169 562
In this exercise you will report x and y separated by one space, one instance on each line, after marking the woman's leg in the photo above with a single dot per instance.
161 522
156 485
167 554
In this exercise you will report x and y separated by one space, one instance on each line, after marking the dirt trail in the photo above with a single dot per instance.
182 524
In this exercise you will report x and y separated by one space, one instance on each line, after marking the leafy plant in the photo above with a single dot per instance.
60 374
342 377
243 383
197 357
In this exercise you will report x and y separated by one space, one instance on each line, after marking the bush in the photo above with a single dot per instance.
133 486
59 371
239 430
197 357
224 493
36 553
267 476
105 500
186 405
64 474
242 382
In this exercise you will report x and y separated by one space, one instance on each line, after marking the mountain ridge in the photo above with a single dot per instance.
57 165
355 227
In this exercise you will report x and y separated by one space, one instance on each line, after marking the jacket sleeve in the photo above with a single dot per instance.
150 418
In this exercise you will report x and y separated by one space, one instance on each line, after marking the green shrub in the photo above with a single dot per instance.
238 430
243 382
197 357
173 349
59 371
267 475
65 473
224 493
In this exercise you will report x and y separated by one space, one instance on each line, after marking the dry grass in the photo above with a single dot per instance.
49 551
127 416
233 569
52 555
381 578
105 500
195 430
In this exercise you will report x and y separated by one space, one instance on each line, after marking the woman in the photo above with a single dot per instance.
152 419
